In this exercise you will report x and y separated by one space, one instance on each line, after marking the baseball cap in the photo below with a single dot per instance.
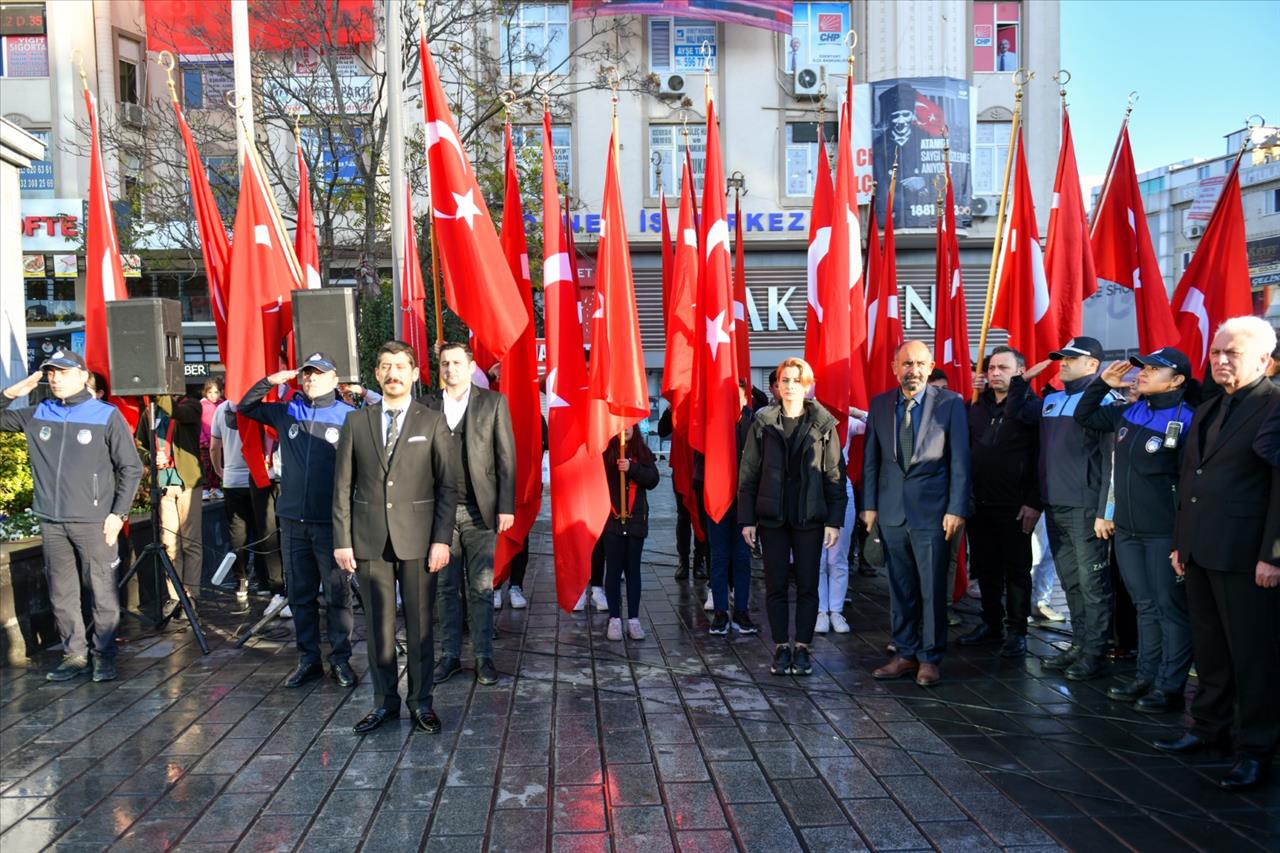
317 361
62 359
1164 357
1078 346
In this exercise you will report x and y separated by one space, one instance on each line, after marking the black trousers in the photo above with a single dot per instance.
779 546
917 566
597 563
309 564
251 523
519 565
1001 555
417 593
1234 625
685 535
622 558
76 558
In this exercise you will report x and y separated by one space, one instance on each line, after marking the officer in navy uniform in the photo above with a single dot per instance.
307 426
86 472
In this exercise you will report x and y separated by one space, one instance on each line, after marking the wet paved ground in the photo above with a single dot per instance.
681 741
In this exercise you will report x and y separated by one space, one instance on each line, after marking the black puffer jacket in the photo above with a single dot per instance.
643 474
800 485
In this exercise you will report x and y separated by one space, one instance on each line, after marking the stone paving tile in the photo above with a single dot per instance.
682 741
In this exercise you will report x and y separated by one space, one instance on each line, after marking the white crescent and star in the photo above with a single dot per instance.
717 333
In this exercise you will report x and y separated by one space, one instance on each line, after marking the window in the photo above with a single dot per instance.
1186 261
1202 172
817 37
331 153
529 136
128 63
205 85
802 155
668 141
675 44
1271 201
997 36
990 152
536 38
224 183
24 47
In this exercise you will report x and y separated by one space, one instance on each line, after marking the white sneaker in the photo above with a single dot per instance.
634 631
516 596
710 603
278 604
614 632
582 603
839 624
285 613
497 599
597 598
823 625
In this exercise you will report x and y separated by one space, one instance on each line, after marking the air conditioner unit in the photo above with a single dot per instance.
807 82
133 115
671 85
985 205
1195 231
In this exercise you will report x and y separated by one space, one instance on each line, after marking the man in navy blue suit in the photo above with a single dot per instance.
916 485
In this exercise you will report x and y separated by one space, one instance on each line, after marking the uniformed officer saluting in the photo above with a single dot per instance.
307 427
86 472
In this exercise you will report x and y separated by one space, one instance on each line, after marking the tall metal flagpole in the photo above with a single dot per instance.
243 73
393 38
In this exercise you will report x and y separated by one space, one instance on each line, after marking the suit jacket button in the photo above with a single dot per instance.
1193 500
1199 471
389 503
391 482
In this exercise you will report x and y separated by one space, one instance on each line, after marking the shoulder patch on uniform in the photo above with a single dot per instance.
1153 444
331 435
84 436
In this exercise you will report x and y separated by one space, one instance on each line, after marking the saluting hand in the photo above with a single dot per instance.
1115 373
24 387
1037 369
281 376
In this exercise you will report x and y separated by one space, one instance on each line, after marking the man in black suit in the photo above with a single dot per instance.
393 502
479 424
916 484
1227 545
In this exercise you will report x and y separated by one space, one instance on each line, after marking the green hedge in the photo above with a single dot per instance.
16 486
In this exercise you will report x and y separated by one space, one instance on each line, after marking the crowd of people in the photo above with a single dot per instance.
1137 461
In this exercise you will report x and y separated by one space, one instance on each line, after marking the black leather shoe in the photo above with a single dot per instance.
304 673
1154 702
486 672
426 721
445 669
1015 646
682 571
1062 660
342 673
1244 774
373 719
1129 691
104 669
1085 668
1183 744
980 636
700 568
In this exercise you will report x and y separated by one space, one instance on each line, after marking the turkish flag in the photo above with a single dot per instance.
104 274
1215 286
1123 253
1020 304
668 255
819 246
413 293
263 271
215 248
1068 256
616 382
305 245
741 322
716 370
951 323
579 491
518 381
884 328
478 285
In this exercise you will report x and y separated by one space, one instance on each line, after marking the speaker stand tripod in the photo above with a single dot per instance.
154 550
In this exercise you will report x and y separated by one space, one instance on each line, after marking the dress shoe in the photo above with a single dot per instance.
304 673
445 669
1129 691
928 675
895 668
104 669
486 672
700 568
373 719
682 571
1085 668
1244 774
983 635
1154 702
426 721
1015 646
1062 660
1185 743
342 673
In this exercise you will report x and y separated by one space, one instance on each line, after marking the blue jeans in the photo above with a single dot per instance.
729 553
470 563
1160 597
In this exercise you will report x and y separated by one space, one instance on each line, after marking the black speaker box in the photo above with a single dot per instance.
324 320
144 346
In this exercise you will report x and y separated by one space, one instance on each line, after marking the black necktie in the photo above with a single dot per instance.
1215 428
393 431
906 436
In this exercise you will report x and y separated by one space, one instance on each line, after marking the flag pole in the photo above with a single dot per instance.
395 142
242 70
623 513
431 218
1111 164
1020 78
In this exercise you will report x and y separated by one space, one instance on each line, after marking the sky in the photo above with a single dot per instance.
1199 68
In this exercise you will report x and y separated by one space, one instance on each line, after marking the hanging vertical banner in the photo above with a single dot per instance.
910 119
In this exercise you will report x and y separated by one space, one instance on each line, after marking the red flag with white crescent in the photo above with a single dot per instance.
741 321
884 328
413 292
951 322
819 246
1068 256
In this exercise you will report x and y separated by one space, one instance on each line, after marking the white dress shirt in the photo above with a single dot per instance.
455 409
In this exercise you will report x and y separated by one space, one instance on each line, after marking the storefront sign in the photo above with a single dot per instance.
1264 261
51 224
